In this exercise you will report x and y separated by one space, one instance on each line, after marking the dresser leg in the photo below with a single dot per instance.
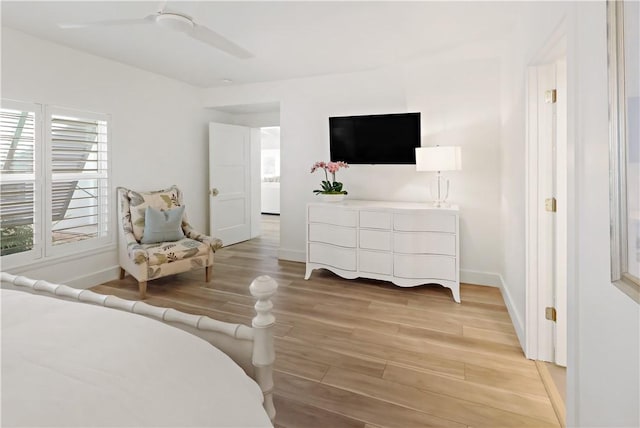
307 274
456 293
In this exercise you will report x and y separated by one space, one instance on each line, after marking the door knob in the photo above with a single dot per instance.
214 192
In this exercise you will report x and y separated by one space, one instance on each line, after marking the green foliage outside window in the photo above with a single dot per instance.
16 239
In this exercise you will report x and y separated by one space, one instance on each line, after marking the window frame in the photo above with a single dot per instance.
618 152
88 244
43 250
37 251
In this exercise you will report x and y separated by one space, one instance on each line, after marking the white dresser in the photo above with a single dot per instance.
406 243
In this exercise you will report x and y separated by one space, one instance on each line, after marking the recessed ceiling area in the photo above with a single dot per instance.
273 107
287 39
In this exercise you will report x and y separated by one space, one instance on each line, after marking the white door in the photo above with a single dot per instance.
552 210
560 167
229 182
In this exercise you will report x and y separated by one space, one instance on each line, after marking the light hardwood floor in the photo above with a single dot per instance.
363 353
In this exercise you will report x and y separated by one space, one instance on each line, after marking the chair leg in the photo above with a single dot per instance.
207 273
143 289
122 273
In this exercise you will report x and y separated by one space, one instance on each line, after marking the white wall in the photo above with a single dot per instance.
603 378
256 189
460 105
159 129
607 337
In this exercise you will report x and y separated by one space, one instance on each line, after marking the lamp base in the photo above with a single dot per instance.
441 204
439 188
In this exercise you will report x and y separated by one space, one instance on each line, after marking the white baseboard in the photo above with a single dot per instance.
480 278
292 255
516 319
82 281
95 278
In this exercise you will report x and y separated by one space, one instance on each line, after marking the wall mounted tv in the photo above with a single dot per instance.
375 139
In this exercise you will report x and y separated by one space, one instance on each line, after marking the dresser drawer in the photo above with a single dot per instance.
375 219
330 234
376 262
333 215
424 243
424 266
375 239
428 222
341 258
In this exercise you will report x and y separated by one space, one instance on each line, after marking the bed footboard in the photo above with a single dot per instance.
250 347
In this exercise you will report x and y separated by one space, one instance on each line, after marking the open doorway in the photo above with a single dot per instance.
258 123
270 170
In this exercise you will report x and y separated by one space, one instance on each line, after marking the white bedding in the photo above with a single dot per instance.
73 364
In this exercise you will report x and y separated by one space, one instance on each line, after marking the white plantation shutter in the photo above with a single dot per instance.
78 166
17 146
54 182
18 190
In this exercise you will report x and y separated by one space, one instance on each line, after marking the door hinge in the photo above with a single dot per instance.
550 96
550 314
550 205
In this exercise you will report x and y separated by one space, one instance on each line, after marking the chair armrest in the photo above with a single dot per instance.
136 252
191 233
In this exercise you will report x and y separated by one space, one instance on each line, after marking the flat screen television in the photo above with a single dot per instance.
375 139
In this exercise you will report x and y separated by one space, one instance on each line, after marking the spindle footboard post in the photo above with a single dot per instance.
263 288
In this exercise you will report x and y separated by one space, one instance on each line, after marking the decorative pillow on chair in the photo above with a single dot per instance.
162 226
139 201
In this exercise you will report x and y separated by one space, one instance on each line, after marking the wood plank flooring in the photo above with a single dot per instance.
363 353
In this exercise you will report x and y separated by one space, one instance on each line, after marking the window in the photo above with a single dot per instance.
624 112
77 167
60 205
18 165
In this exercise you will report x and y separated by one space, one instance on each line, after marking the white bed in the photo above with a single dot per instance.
65 363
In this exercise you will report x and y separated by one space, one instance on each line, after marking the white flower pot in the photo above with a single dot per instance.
329 197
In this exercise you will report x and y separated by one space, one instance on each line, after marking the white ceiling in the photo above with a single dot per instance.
288 39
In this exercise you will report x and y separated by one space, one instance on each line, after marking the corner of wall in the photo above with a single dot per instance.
488 279
516 317
95 278
292 255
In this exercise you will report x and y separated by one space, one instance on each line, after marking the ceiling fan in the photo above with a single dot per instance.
177 22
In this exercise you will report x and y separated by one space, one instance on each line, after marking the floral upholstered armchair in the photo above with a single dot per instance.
150 256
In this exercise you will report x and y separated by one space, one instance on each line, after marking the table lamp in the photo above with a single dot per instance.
439 158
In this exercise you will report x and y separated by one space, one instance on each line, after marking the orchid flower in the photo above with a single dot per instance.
333 186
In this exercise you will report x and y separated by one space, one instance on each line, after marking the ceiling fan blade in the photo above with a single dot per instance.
114 22
214 39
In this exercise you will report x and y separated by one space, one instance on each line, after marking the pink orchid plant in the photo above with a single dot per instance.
332 187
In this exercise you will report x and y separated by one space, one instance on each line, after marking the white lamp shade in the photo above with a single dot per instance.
440 158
